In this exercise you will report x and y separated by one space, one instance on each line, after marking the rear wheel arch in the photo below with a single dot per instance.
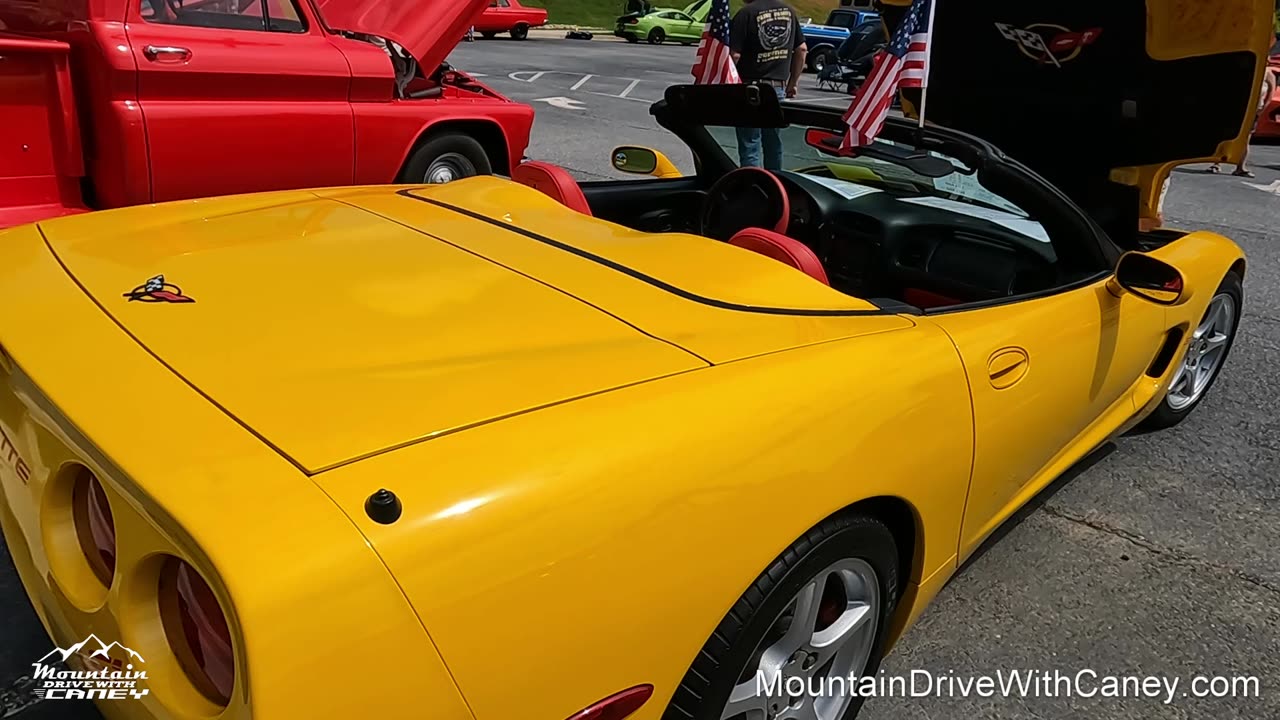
904 522
822 47
1238 268
486 132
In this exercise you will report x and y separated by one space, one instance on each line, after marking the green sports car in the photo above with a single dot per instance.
682 26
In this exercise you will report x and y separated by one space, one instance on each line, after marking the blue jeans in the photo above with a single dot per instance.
752 140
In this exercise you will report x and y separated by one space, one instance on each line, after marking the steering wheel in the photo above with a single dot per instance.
744 198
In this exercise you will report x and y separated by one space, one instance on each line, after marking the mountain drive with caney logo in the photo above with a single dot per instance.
643 448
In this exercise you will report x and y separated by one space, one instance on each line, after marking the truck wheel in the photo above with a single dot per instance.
656 36
489 35
447 157
819 59
520 32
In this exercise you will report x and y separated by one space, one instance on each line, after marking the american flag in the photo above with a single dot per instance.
902 63
715 63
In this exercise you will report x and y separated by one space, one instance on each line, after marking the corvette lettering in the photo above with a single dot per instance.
1047 43
9 454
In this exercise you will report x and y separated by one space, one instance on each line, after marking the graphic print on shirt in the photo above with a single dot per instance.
774 30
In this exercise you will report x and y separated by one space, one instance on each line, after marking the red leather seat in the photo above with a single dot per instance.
782 248
553 181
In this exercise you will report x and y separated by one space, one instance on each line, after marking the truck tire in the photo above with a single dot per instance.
520 31
820 58
446 157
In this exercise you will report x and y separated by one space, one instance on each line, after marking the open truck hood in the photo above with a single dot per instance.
1103 98
428 29
334 334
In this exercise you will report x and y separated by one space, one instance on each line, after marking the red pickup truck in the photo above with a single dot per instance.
106 103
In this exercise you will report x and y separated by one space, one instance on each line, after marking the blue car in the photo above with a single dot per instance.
823 40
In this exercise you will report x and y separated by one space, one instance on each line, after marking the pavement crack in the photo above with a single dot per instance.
1175 556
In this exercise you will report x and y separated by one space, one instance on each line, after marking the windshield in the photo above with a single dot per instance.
958 191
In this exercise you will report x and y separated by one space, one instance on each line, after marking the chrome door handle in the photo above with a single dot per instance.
167 52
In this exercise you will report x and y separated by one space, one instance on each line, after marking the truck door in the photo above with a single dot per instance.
240 96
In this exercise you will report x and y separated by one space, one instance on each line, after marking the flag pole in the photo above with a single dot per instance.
928 61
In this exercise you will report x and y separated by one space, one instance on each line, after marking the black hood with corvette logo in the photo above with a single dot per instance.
1102 97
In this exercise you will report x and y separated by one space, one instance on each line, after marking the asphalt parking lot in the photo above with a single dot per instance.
1161 557
592 95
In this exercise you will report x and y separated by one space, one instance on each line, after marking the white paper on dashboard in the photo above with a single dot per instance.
1021 225
848 190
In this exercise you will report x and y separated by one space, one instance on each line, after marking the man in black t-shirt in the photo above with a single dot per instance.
768 49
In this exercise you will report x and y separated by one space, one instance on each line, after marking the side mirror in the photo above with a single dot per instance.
1151 279
643 161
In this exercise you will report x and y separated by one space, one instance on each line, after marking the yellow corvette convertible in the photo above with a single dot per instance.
660 448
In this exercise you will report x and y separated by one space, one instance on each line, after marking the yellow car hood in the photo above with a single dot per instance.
334 334
1086 92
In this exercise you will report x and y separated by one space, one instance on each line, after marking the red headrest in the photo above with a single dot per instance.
553 181
781 248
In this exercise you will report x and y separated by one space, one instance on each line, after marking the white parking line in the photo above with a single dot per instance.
620 97
582 81
836 101
533 75
630 87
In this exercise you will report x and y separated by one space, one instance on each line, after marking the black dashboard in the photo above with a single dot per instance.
879 243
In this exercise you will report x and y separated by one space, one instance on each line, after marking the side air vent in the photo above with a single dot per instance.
1165 356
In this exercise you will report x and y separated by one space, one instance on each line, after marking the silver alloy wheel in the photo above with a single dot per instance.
449 167
828 631
1205 352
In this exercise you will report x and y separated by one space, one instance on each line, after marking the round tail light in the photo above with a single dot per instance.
197 631
94 525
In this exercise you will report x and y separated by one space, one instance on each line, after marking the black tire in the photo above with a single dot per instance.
656 36
1165 416
820 58
705 689
632 39
488 35
462 151
520 32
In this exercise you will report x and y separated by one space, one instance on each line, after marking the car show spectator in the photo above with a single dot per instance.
1264 97
769 50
